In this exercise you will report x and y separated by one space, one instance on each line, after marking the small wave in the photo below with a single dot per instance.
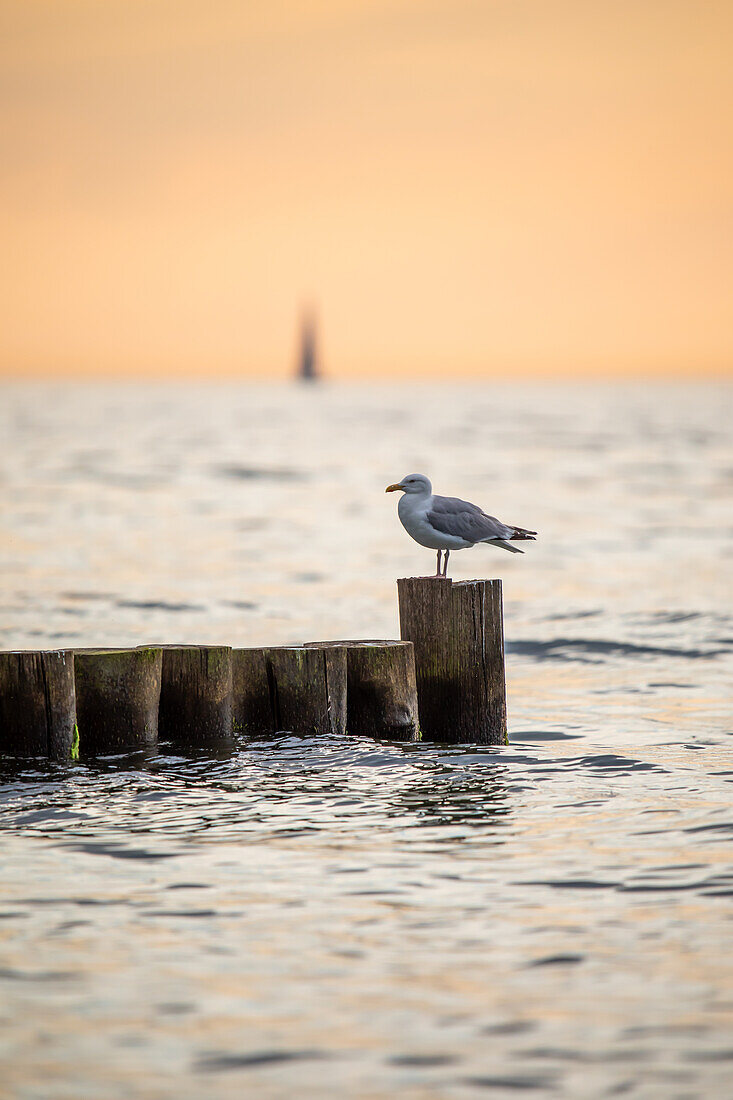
216 1063
568 649
558 960
422 1061
623 764
158 605
255 473
516 1082
87 595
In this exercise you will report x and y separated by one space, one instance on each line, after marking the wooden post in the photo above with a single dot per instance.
381 693
38 704
458 633
196 697
251 699
117 696
334 658
270 684
308 688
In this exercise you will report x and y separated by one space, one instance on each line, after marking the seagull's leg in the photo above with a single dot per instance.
438 574
445 563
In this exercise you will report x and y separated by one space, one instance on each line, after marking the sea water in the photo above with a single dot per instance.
338 917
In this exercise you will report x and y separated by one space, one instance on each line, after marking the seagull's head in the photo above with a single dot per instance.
412 483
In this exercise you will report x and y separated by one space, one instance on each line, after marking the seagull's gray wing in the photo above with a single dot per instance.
452 516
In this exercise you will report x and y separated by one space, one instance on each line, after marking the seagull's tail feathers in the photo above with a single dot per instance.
517 534
505 545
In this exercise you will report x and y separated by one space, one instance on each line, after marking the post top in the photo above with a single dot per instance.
449 580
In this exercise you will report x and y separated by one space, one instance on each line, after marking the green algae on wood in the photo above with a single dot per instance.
118 693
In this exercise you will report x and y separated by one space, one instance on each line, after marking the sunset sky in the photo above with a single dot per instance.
465 187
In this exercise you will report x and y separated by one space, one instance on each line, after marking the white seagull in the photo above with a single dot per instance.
447 523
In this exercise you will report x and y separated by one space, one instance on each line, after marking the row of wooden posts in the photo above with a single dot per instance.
443 681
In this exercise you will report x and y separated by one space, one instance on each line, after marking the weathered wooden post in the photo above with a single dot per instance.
458 633
381 693
117 696
308 688
251 700
196 696
37 704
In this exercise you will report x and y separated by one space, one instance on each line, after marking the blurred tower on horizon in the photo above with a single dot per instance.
308 369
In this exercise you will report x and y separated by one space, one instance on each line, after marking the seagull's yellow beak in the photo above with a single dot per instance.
393 488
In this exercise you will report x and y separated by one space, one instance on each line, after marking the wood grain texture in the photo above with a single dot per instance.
308 688
117 697
251 701
37 703
381 692
196 697
457 630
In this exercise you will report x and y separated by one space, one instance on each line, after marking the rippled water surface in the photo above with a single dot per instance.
320 918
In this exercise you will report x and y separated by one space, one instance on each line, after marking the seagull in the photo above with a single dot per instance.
447 523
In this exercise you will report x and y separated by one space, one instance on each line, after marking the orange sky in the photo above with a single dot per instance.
463 187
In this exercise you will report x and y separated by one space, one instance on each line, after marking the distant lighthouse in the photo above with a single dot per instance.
308 367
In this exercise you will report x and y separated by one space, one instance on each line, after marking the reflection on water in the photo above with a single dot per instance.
339 918
423 918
